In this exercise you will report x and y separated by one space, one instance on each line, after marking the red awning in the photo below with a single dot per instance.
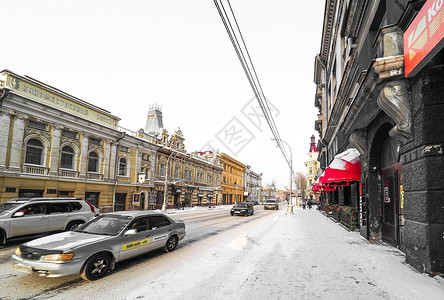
345 167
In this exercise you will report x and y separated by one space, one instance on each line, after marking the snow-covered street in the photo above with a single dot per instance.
270 255
300 256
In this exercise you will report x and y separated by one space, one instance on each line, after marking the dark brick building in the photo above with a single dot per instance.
396 122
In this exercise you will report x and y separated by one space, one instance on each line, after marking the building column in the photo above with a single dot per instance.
5 121
423 170
107 159
54 158
17 142
112 161
83 157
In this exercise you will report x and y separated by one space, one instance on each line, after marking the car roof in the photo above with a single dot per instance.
136 213
23 200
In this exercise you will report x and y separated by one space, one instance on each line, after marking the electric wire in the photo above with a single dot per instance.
256 87
254 69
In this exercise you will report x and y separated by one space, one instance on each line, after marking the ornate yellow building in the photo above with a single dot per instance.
53 144
312 165
232 179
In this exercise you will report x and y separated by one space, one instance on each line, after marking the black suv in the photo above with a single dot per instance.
243 209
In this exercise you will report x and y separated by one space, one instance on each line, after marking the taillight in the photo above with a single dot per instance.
90 206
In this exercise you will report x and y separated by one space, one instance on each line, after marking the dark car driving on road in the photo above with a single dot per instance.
242 209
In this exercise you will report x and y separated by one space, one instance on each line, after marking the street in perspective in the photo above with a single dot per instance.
222 150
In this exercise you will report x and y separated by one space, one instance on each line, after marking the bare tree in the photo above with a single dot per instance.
301 183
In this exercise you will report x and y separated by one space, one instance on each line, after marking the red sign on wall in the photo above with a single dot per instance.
424 37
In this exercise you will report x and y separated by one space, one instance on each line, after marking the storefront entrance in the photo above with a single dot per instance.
391 187
391 206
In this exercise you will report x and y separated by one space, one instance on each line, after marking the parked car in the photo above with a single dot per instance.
271 204
94 247
243 209
27 216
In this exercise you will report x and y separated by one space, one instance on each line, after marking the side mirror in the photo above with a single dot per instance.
130 232
18 214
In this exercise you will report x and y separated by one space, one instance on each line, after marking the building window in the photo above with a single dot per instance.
123 167
34 152
37 125
93 162
146 157
147 173
176 173
162 170
67 158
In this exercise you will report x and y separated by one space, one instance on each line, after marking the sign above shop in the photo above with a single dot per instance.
424 37
46 95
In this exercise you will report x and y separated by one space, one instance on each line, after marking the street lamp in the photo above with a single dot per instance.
235 195
290 207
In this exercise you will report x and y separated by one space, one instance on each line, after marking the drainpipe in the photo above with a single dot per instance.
116 168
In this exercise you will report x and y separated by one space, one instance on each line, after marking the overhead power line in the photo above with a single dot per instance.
249 69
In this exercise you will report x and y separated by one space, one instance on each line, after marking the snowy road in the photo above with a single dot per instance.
270 255
200 225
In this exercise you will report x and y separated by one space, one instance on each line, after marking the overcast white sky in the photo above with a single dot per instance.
125 55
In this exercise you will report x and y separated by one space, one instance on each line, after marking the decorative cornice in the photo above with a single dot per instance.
358 139
395 101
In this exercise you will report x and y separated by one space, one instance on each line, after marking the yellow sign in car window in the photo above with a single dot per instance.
135 244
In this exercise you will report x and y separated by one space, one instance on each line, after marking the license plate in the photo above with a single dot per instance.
23 269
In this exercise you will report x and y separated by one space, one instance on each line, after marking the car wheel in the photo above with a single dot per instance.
171 244
231 213
96 267
73 225
2 238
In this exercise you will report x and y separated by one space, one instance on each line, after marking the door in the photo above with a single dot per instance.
58 215
161 227
391 207
138 243
34 220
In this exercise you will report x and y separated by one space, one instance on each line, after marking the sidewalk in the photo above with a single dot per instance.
301 256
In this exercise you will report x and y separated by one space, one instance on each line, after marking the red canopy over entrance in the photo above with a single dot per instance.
345 167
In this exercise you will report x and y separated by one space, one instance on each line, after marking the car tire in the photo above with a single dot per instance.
231 213
96 267
73 225
2 237
171 244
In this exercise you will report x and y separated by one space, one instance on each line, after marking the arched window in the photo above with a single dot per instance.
67 158
34 152
93 162
123 167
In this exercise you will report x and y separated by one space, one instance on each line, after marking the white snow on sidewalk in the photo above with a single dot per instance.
300 256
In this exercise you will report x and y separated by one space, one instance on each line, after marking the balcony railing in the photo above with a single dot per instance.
95 176
34 169
68 173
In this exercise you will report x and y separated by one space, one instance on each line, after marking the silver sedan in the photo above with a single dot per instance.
93 248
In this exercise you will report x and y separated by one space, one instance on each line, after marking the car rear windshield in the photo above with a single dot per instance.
5 207
105 225
270 201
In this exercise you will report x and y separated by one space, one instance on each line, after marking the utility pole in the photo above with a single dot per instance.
289 207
